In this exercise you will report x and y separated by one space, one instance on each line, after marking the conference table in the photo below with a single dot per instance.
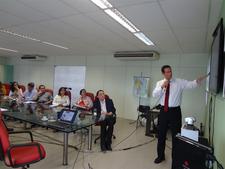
33 113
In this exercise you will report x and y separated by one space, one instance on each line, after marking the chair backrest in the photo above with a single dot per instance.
7 88
23 88
49 91
91 95
143 109
68 93
4 137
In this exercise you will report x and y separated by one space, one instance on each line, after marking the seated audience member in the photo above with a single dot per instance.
16 92
106 113
84 100
61 99
30 93
42 96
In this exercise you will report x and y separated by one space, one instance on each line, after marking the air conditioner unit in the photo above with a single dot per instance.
34 57
136 55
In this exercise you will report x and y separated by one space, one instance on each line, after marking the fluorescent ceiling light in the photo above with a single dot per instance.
143 38
29 38
10 50
18 35
115 14
103 4
52 44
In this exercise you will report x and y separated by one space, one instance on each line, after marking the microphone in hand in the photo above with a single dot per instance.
165 84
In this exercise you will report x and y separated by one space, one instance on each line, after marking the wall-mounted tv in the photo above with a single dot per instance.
216 61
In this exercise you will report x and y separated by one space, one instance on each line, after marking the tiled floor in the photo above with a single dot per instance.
141 157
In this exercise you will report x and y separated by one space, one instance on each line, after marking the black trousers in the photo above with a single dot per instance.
171 119
107 127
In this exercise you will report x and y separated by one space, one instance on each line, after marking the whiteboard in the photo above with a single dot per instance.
71 77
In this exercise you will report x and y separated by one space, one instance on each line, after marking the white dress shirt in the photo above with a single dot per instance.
103 109
65 101
103 106
176 89
29 95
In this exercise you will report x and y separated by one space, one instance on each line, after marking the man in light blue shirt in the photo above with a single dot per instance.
30 92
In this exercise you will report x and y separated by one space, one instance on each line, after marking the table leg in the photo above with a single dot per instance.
90 138
65 149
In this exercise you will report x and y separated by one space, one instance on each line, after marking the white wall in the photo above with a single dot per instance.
116 77
3 60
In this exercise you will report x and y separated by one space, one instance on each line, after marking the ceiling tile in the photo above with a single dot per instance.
84 6
193 47
15 7
119 3
191 35
8 20
146 16
186 13
165 40
53 8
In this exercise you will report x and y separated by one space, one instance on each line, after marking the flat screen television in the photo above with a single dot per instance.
216 61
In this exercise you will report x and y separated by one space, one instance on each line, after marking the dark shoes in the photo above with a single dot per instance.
159 160
103 148
106 147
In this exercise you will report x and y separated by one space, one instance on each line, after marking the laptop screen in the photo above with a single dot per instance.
67 116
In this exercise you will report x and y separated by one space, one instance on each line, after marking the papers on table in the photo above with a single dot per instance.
29 102
3 109
79 106
53 105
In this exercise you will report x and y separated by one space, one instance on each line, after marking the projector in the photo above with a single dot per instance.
190 120
189 130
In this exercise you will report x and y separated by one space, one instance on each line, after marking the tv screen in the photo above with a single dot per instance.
216 61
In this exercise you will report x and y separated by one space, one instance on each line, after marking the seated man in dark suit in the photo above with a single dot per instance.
106 112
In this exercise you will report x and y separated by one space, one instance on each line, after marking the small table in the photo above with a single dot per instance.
32 113
150 117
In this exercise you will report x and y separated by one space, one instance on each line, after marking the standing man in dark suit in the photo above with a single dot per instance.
106 113
169 91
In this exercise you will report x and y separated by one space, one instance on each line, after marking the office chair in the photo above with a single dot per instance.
19 155
7 88
91 95
22 87
99 124
68 93
142 111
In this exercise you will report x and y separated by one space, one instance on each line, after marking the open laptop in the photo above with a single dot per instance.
65 118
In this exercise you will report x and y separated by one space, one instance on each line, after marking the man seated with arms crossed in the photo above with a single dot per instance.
43 96
30 93
106 113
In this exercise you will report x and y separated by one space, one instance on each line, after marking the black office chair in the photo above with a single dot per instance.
142 113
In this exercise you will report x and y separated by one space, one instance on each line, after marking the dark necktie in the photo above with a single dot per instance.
166 102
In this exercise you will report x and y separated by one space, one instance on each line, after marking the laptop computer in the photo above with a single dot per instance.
65 118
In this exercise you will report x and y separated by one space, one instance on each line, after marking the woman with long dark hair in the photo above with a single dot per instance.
16 92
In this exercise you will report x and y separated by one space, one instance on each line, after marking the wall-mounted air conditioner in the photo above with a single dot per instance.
136 55
34 57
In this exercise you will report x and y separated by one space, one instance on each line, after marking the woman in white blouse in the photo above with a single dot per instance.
61 99
84 100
